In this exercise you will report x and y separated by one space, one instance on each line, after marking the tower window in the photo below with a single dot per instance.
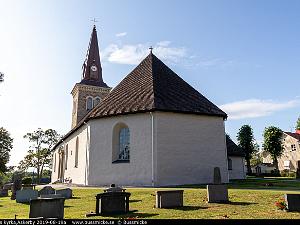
89 103
96 101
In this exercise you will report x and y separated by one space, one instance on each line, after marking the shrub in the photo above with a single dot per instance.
281 204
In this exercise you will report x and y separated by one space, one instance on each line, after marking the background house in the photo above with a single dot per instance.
290 158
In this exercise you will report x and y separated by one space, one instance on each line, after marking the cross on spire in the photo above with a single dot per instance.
151 48
95 21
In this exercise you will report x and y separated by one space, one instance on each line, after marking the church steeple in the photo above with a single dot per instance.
91 90
91 69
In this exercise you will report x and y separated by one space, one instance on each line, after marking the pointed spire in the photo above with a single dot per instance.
91 69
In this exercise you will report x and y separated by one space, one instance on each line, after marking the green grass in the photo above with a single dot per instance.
249 199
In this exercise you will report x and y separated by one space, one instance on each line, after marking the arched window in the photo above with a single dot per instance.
229 164
67 155
96 101
124 144
121 143
54 164
89 103
76 152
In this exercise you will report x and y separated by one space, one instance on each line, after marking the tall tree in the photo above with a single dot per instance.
273 143
5 147
298 124
247 142
39 154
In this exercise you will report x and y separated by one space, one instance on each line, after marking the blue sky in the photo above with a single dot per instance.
242 55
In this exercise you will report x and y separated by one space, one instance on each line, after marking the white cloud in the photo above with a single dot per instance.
133 54
121 34
252 108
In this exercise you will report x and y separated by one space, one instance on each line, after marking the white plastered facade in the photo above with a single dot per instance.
238 168
165 149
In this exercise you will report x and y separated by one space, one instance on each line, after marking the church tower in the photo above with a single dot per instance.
91 89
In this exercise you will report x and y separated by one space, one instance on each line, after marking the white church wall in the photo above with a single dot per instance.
238 168
138 171
188 148
76 174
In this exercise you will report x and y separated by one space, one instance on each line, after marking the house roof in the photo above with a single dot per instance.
151 86
294 135
233 149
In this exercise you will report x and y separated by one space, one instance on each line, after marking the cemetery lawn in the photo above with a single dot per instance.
250 199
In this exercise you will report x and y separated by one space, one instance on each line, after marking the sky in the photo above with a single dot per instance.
242 55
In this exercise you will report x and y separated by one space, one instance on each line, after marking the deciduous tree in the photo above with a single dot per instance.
247 142
298 124
5 147
273 143
39 154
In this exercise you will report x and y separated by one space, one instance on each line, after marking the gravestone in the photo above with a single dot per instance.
25 195
113 202
17 185
113 188
217 176
169 199
47 190
217 192
47 208
292 202
66 193
51 196
3 193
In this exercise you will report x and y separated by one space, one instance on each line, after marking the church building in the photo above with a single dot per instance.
152 129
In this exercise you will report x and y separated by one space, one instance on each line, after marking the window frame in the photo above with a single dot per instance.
89 98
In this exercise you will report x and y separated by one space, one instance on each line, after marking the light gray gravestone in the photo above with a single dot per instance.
25 195
217 192
66 193
169 199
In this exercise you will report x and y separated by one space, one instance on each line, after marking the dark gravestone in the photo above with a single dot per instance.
47 190
3 193
17 185
217 192
169 199
111 203
47 208
217 176
292 202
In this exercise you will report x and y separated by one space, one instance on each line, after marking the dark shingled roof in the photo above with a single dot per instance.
152 86
233 149
294 135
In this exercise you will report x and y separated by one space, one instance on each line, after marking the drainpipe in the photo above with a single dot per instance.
152 147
